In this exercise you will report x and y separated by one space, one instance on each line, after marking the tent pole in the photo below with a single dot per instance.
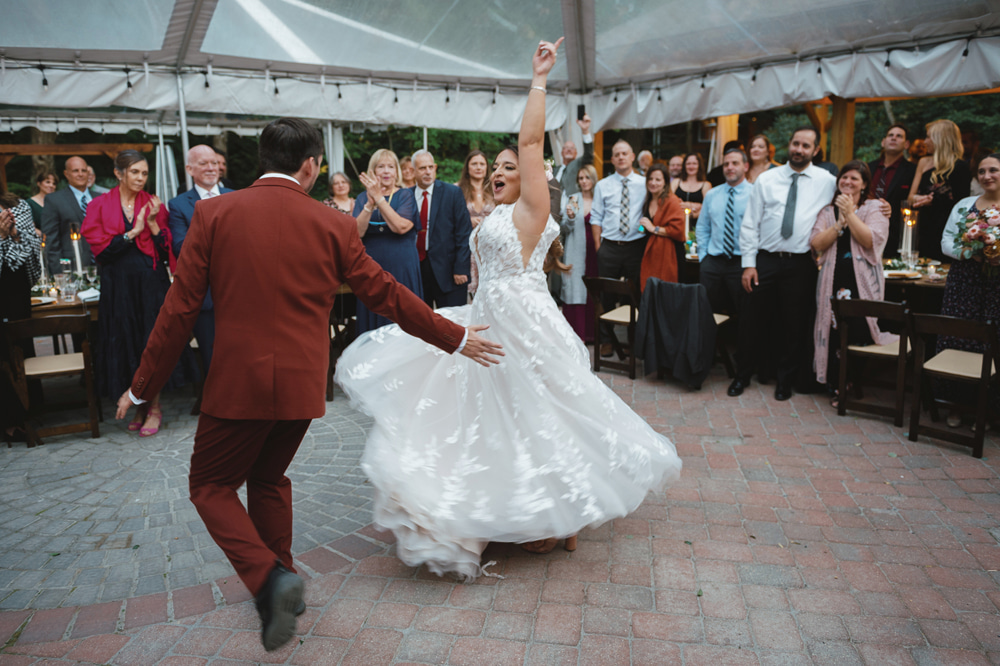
184 127
425 138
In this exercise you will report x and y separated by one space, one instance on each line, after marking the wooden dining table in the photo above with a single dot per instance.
61 307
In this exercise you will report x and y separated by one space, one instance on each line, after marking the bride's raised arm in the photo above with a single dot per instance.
532 209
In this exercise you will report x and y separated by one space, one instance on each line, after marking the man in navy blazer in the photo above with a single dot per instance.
203 165
443 242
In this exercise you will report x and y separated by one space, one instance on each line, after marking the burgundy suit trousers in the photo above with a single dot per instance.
227 454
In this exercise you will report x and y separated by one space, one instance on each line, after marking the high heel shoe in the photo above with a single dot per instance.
140 418
157 413
543 546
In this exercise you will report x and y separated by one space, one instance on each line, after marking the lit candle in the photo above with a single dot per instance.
54 293
908 223
687 224
41 260
75 237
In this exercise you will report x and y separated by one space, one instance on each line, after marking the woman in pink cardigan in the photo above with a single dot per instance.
848 238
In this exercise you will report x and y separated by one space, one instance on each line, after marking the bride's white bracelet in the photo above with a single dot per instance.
538 88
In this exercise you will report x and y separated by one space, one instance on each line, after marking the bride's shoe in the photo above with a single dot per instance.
548 545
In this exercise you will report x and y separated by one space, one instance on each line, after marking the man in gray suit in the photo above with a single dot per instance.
63 214
567 172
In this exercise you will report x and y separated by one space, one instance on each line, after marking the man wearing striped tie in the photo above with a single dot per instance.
718 237
63 214
617 210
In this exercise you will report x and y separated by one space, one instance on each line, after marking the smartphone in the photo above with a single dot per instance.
581 111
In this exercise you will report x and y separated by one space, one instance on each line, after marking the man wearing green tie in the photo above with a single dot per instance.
779 274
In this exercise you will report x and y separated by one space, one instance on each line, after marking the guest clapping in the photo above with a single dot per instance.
692 186
340 193
19 269
127 229
388 222
849 237
663 219
474 182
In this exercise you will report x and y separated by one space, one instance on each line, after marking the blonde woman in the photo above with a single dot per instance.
942 179
388 222
761 156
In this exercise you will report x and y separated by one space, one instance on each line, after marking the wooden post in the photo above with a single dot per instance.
842 131
599 154
820 118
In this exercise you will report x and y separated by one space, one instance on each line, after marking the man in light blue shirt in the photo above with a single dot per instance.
63 214
617 210
718 237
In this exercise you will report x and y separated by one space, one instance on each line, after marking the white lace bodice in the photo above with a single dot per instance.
497 247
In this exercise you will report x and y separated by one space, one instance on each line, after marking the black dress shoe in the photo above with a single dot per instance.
736 388
606 350
277 604
300 609
782 392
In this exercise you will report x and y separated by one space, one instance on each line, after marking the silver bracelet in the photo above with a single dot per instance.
538 88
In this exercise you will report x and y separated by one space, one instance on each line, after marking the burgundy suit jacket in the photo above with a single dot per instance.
274 258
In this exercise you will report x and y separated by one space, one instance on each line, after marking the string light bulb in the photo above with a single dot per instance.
128 81
659 97
703 77
45 81
819 68
339 96
395 97
888 63
965 51
753 79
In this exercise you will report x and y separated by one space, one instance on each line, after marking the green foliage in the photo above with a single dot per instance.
972 113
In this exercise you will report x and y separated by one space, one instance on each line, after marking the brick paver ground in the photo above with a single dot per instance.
794 537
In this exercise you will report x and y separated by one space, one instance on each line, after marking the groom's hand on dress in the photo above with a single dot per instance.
479 349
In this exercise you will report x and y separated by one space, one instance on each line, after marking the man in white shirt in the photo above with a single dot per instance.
203 165
645 160
617 210
779 273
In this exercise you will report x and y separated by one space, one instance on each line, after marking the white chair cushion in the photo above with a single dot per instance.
891 349
618 316
958 364
41 366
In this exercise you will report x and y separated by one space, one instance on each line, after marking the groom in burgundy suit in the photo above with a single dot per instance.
274 258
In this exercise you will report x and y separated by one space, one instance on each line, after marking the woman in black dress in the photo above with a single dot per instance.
942 178
19 269
127 230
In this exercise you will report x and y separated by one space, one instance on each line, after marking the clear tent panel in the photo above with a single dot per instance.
119 25
647 38
437 38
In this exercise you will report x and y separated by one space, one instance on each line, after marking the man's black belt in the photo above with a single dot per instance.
785 255
618 242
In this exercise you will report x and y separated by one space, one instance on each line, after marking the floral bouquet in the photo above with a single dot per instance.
978 236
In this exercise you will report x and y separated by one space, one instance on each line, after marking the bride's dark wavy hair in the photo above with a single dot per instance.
553 258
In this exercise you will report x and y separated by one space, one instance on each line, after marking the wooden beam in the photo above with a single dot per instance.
109 149
842 131
599 154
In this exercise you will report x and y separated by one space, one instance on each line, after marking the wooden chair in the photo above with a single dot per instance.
21 369
847 310
623 315
720 344
342 332
954 365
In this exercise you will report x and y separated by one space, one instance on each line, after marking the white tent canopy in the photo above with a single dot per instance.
465 64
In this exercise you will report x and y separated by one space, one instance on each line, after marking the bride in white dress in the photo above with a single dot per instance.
534 448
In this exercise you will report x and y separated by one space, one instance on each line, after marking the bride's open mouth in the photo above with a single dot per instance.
497 187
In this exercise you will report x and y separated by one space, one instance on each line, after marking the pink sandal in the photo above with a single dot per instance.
140 418
157 413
